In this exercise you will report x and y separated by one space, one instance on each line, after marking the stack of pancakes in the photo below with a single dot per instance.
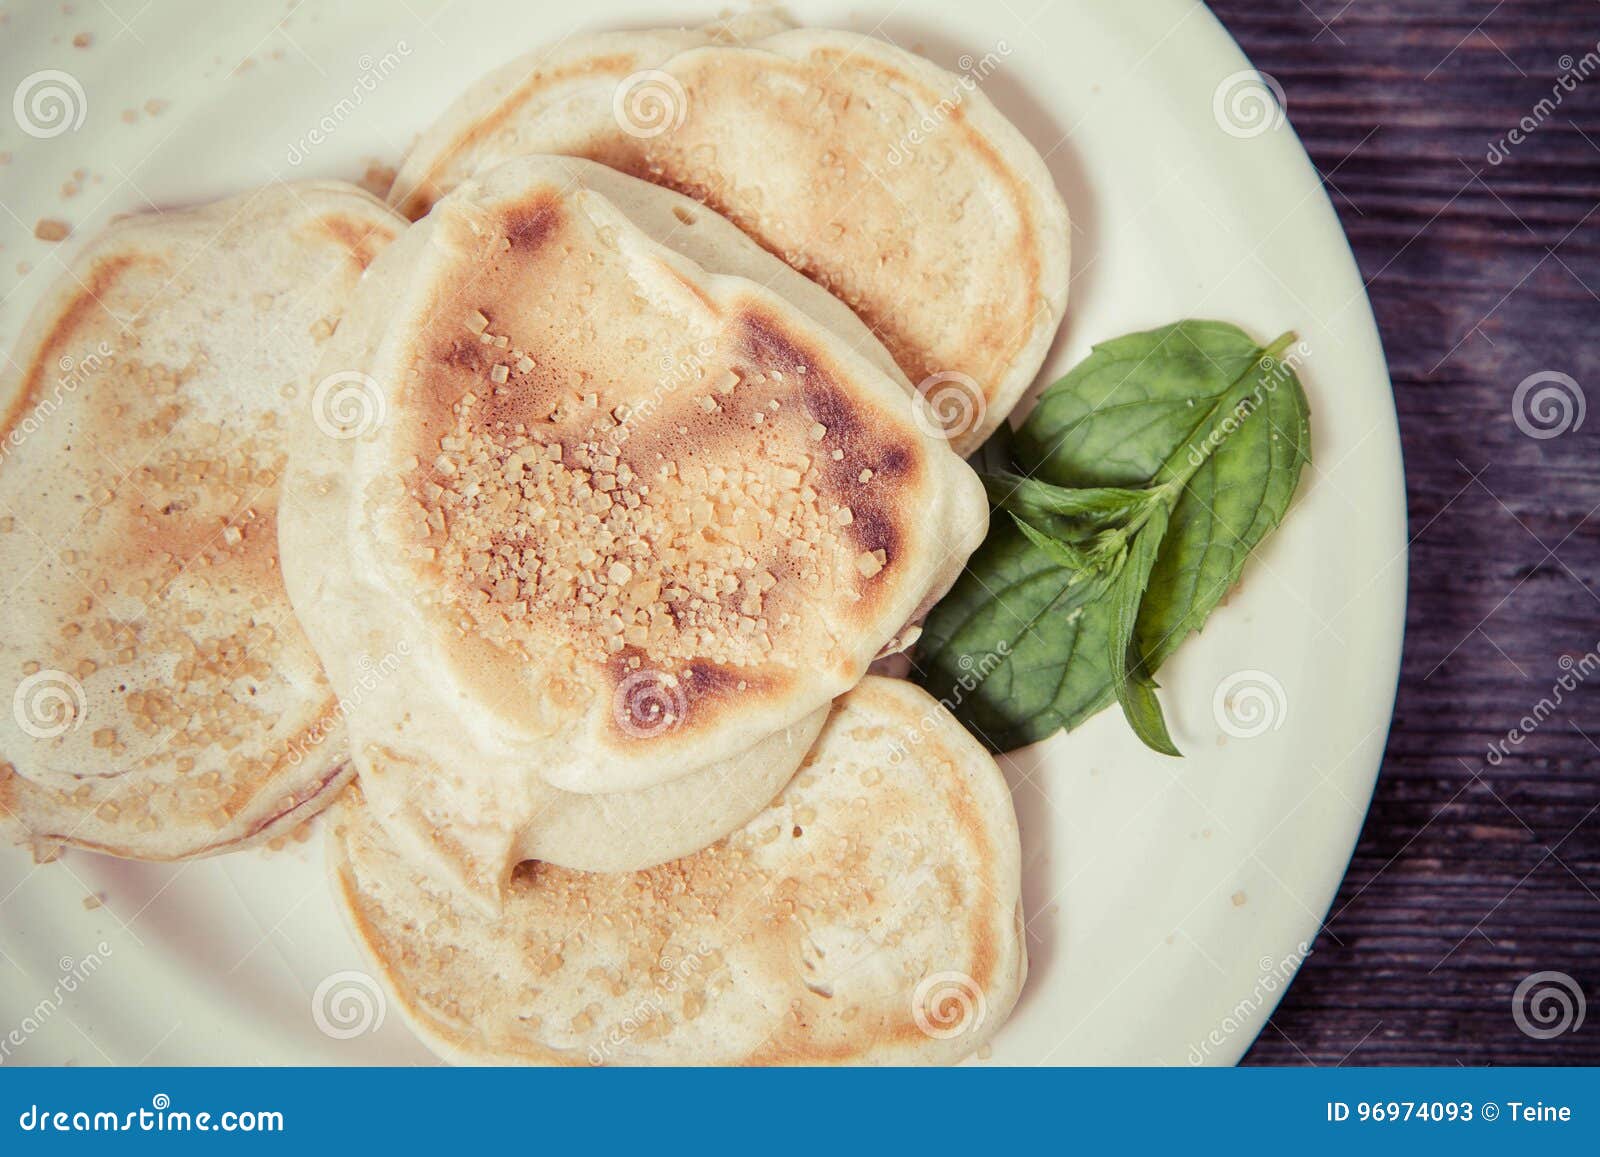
568 520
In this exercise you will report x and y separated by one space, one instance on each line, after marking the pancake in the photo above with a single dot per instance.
627 512
448 816
165 703
871 915
579 75
894 184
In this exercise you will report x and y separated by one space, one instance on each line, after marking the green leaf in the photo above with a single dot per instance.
1167 400
1142 710
1070 514
1117 417
1133 688
1231 503
1018 649
1063 554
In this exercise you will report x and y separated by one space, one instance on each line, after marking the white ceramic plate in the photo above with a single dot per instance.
1168 901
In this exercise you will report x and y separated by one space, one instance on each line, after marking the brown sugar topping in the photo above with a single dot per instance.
680 561
577 485
180 625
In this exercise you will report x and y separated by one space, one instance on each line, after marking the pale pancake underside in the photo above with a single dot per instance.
893 183
870 915
165 702
547 293
593 832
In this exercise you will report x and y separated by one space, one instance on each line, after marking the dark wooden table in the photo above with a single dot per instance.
1482 257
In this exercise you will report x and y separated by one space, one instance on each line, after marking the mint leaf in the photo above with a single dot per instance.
1211 432
1063 554
1134 689
1119 415
1232 501
1017 650
1072 514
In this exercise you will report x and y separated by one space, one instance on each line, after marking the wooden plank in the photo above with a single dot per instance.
1468 877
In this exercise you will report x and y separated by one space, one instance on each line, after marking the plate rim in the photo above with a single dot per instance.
1398 516
1388 646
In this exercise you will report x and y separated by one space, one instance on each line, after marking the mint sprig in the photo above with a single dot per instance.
1147 475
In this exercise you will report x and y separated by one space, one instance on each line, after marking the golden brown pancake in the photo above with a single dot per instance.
627 516
164 702
891 182
871 915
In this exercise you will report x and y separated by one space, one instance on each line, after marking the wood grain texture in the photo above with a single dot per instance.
1469 875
